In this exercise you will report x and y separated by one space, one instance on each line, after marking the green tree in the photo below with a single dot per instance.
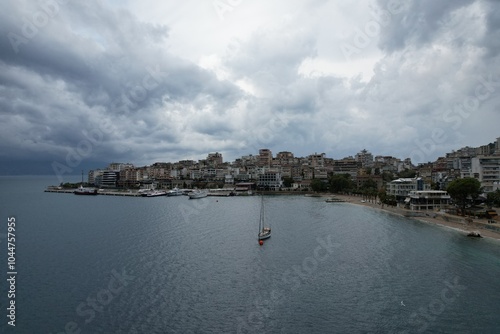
317 185
287 182
407 173
369 189
464 191
382 195
387 176
340 183
493 199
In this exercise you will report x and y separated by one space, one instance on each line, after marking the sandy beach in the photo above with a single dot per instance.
432 217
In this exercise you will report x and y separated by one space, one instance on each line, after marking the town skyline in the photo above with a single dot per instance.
273 170
481 148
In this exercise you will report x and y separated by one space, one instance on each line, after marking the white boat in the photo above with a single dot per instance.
154 193
85 191
175 192
195 194
264 232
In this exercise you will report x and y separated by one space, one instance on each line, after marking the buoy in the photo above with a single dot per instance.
261 242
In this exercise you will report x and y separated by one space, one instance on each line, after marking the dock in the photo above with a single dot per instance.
101 192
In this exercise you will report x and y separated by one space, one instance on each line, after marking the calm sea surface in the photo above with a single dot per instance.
109 264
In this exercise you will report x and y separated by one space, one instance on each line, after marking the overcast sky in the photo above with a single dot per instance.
84 83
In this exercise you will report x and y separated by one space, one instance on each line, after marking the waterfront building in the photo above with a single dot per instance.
400 188
427 200
270 180
94 176
109 179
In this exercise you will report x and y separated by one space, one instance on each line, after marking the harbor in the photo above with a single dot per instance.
138 193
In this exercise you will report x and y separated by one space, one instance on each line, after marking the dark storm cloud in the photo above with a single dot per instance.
143 89
86 65
414 22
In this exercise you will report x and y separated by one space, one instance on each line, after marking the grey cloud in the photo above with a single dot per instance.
415 22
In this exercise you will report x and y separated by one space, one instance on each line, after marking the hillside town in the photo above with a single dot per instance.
286 172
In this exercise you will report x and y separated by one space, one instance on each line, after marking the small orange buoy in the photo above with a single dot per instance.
261 242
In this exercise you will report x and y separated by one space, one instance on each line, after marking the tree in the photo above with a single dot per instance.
382 195
340 183
369 189
407 173
287 182
493 199
464 191
317 185
387 176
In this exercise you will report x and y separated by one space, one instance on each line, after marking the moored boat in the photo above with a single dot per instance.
175 192
195 194
85 191
155 193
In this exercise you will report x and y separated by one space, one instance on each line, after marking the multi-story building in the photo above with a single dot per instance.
347 166
265 157
118 166
270 180
109 179
94 176
214 159
285 158
400 188
427 200
316 160
361 179
365 158
486 169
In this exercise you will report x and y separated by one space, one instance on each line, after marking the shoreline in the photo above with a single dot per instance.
431 217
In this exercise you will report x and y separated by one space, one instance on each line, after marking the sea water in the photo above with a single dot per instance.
105 264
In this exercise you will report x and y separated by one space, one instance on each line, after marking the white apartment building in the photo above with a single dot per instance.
486 169
401 187
270 180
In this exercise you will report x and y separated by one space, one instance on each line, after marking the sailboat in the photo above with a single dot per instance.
264 232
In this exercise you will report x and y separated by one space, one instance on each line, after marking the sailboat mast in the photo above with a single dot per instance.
261 223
